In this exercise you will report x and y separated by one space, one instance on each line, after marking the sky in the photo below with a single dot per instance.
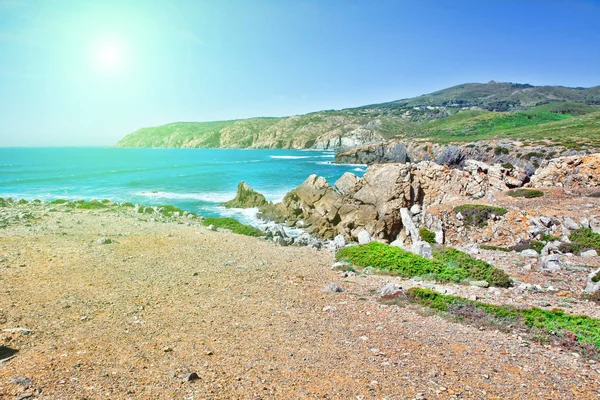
86 73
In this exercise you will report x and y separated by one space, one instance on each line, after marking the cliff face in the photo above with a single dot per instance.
488 151
391 200
375 202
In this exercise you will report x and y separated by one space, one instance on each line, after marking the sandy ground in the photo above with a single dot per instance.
131 319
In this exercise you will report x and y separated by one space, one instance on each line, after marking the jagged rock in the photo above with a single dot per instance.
415 209
364 237
593 283
281 241
546 221
569 172
589 253
347 184
339 241
529 253
409 225
550 263
422 248
340 266
570 224
333 288
390 289
246 197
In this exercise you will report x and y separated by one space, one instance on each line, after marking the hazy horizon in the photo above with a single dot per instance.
84 73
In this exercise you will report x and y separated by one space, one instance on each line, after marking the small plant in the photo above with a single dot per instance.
427 235
90 205
548 238
498 150
508 166
59 201
233 225
478 214
584 239
526 193
596 278
498 248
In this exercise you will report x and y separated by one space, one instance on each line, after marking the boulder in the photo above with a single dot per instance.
422 248
589 253
347 184
409 225
529 253
390 289
570 224
339 241
333 288
550 263
364 237
246 197
593 283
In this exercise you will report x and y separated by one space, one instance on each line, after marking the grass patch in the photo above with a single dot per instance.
498 248
478 214
526 193
508 166
582 239
427 235
578 332
90 205
447 265
233 225
59 201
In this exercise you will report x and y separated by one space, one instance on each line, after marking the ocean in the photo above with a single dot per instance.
197 180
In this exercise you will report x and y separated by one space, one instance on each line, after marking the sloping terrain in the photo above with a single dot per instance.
343 129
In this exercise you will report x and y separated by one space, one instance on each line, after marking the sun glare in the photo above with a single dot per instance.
108 56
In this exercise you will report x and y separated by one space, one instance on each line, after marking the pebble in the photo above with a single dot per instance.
192 377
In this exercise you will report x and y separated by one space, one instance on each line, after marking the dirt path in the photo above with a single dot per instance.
131 319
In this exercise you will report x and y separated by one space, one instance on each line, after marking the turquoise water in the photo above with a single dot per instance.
193 179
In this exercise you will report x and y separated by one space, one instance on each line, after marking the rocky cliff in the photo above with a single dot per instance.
505 151
393 200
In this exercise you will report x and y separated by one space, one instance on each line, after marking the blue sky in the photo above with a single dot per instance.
89 72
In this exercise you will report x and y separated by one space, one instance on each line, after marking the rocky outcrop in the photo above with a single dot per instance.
380 202
246 197
569 172
489 151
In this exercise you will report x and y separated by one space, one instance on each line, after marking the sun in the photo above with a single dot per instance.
108 56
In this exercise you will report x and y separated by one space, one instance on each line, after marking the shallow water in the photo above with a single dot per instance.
193 179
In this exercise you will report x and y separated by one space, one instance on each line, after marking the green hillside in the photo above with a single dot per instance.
462 113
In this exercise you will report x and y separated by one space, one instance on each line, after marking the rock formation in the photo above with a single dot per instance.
379 203
569 172
246 197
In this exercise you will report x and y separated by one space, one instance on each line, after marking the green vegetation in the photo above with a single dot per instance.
427 235
233 225
498 248
169 210
447 265
526 193
508 166
581 239
59 201
90 205
580 328
506 110
478 214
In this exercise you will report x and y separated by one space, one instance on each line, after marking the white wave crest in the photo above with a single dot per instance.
211 197
290 157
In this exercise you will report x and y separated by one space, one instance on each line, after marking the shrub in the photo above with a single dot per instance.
478 214
427 235
527 193
584 239
90 205
507 166
555 323
233 225
448 265
498 248
500 150
59 201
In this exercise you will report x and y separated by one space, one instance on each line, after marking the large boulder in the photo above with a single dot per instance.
246 197
569 172
422 248
593 283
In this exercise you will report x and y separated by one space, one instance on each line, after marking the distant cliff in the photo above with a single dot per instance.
377 123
